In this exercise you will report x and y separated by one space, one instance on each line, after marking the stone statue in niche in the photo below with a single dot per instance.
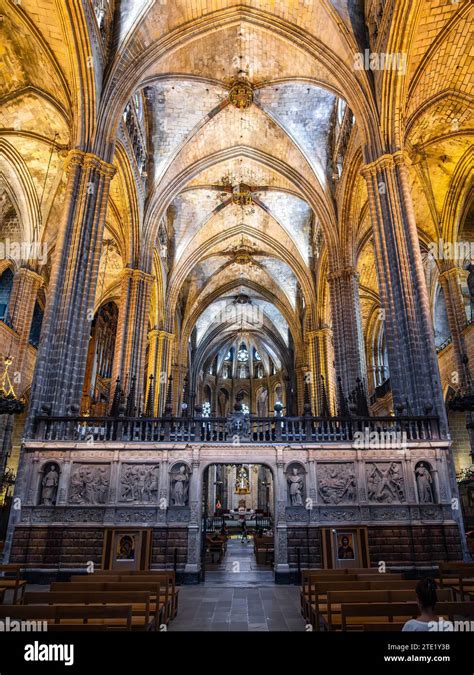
337 483
49 485
139 483
89 484
295 482
424 482
180 487
385 482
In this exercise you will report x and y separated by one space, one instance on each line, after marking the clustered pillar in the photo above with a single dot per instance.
62 353
414 374
349 349
159 365
130 346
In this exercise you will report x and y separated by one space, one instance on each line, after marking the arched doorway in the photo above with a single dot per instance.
238 519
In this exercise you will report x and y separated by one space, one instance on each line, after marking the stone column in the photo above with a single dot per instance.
457 321
178 372
130 346
282 567
414 373
26 284
62 353
159 364
349 351
64 480
449 281
319 349
193 562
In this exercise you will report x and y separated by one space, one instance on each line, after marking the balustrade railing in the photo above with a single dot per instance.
241 428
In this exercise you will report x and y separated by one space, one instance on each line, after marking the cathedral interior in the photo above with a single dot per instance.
236 291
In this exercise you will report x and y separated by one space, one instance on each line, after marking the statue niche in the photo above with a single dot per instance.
337 483
179 485
424 483
385 483
89 484
295 478
139 483
49 484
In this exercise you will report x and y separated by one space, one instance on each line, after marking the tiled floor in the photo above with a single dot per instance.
238 596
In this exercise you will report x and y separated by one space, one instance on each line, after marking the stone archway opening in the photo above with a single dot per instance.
238 521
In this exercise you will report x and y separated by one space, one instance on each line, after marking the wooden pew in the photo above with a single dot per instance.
459 576
354 616
138 600
309 579
216 546
166 577
13 581
113 617
319 590
335 599
264 550
159 602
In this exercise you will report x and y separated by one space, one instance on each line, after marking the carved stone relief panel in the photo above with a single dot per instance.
385 482
138 483
89 484
337 482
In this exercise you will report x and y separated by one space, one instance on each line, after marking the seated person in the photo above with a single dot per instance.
427 599
224 530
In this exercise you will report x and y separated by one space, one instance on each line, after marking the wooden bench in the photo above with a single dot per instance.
112 617
264 550
319 590
159 602
166 577
309 579
459 576
13 581
138 600
335 599
216 547
355 616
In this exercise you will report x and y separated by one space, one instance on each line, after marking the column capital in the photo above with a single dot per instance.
30 275
448 268
79 158
386 161
156 334
343 273
136 275
323 331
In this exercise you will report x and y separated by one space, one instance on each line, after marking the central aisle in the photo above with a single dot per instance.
238 596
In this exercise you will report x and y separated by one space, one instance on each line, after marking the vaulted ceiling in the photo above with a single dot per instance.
242 187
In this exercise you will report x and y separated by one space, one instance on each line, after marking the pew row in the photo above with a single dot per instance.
109 617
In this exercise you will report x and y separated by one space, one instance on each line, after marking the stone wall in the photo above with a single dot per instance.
414 544
55 547
402 494
308 541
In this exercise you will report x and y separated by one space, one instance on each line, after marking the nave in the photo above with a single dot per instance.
238 595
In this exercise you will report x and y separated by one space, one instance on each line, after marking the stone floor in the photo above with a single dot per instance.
237 595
